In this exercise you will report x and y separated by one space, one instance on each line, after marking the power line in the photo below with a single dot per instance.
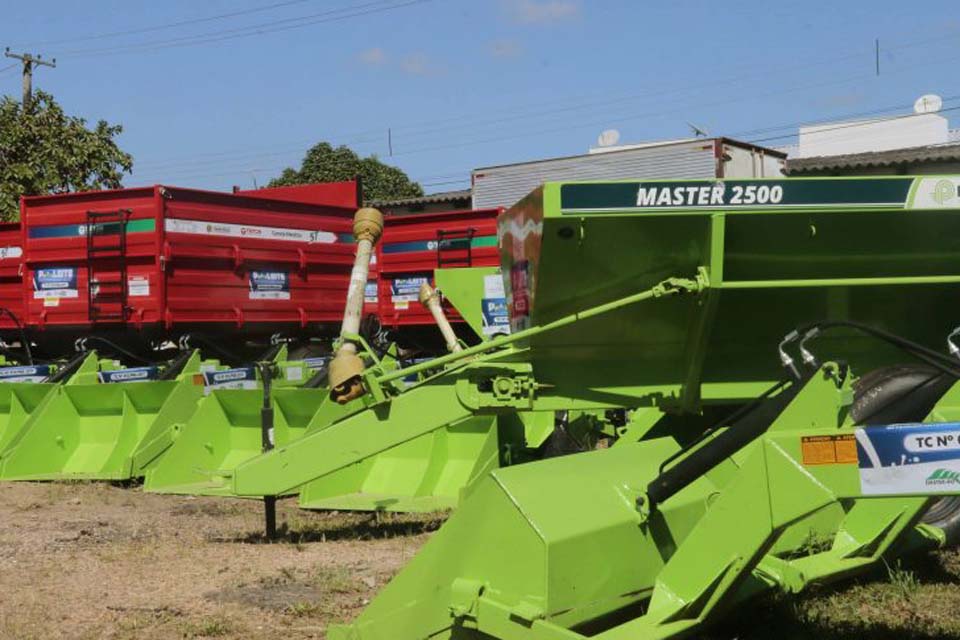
440 180
29 62
853 124
363 137
169 25
275 26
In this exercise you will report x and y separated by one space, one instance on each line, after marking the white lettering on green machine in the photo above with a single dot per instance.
708 195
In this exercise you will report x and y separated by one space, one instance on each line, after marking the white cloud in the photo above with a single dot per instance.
373 57
505 49
541 12
416 64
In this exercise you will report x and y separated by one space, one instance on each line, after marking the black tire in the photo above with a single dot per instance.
907 393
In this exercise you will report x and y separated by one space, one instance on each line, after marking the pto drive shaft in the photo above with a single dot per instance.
347 367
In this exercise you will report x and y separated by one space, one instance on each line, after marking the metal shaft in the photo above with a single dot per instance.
347 367
431 300
669 287
355 294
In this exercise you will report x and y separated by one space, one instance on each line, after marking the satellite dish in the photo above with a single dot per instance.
608 138
929 103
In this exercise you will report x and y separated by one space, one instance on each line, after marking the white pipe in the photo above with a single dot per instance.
431 300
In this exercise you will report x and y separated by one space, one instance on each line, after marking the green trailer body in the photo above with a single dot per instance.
670 299
89 430
830 249
226 430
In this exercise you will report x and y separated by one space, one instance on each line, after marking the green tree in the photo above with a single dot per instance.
324 163
43 151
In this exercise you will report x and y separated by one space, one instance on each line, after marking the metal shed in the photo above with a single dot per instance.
504 185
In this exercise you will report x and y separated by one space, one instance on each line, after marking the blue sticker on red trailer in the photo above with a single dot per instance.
269 285
407 289
909 459
58 282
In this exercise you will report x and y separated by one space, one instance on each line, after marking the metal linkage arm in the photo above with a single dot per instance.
666 288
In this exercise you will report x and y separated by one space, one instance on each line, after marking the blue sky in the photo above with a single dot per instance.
239 89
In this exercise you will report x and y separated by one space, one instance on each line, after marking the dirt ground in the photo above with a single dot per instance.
99 561
85 561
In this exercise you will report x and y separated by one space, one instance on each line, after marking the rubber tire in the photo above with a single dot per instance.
907 393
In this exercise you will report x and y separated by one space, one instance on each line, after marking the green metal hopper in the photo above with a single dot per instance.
96 431
670 298
225 431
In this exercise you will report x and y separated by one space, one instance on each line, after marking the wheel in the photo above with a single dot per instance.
907 393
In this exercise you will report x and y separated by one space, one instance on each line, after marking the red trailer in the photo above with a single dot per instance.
348 193
413 245
11 276
160 261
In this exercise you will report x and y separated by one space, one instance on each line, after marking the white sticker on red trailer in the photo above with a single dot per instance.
138 286
370 293
227 230
10 252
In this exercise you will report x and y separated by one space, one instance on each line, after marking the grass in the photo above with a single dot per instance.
213 627
911 599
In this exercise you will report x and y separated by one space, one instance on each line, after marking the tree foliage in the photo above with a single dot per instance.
43 151
324 163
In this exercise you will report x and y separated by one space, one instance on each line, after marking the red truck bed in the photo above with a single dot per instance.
414 245
163 260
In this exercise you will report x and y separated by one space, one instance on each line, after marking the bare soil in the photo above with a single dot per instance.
100 561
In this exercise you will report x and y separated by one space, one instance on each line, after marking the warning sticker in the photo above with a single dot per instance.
138 286
828 450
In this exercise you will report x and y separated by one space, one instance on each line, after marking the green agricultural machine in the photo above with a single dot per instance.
765 362
93 419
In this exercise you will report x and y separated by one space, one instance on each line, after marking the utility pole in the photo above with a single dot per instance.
29 62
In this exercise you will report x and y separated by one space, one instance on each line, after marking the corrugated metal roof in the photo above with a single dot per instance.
931 153
504 185
444 196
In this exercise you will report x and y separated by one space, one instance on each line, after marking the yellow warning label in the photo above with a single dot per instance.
828 450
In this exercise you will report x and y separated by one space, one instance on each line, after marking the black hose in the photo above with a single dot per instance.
942 362
68 369
23 334
176 365
733 417
750 426
119 349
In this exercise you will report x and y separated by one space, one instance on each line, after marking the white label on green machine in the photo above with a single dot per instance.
909 459
493 305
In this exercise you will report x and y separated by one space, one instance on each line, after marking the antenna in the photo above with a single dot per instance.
698 132
928 103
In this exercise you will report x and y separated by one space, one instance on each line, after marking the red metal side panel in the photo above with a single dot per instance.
336 194
11 275
416 244
57 266
255 264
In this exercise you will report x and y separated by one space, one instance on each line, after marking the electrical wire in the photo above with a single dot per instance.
162 27
473 123
298 22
